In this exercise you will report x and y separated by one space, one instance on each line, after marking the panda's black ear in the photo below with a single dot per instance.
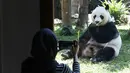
106 6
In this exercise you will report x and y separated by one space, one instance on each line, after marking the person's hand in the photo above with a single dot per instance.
75 50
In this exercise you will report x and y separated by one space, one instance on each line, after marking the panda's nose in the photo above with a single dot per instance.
97 22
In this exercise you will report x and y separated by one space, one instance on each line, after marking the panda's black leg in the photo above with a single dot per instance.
104 54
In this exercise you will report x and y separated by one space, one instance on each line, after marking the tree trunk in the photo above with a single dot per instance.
57 9
66 17
83 14
75 6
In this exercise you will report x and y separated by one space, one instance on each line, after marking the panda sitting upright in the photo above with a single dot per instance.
101 32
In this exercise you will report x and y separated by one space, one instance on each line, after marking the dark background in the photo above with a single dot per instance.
19 20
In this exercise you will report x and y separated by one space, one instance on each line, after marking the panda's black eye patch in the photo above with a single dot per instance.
102 17
94 16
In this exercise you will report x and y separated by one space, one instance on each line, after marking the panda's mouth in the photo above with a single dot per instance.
98 24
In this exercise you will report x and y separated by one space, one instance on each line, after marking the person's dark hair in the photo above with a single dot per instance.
43 52
44 44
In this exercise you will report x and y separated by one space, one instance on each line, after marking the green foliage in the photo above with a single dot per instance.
118 10
60 31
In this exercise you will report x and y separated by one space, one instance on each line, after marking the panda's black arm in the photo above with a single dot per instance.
85 36
111 31
105 34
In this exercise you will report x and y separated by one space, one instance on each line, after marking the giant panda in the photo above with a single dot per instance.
102 32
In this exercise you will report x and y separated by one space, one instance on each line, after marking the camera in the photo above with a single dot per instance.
66 44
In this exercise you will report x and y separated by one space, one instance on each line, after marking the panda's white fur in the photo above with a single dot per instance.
101 17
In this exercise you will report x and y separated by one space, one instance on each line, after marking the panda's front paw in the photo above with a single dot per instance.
94 59
66 55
